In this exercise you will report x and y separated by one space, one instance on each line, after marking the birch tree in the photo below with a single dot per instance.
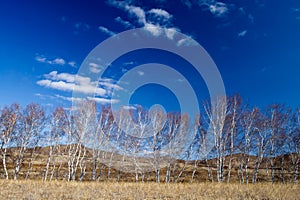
84 119
58 121
32 122
158 120
261 134
293 142
248 123
234 112
8 125
216 114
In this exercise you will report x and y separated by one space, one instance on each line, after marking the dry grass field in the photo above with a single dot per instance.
127 188
99 190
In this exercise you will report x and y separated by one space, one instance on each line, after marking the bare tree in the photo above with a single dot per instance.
248 123
158 120
216 114
202 142
8 123
31 125
173 128
260 137
100 137
196 144
83 119
58 121
234 113
106 131
182 136
293 142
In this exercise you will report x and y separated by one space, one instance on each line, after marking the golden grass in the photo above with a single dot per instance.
92 190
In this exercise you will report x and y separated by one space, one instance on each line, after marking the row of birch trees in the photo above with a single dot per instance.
92 142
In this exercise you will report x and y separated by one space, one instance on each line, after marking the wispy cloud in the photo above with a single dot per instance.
242 33
41 59
82 26
94 68
186 42
68 98
125 23
71 82
72 63
155 21
218 9
188 3
106 31
55 61
58 61
103 100
129 107
141 73
134 11
78 99
160 12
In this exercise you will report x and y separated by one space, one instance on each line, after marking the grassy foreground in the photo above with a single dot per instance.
92 190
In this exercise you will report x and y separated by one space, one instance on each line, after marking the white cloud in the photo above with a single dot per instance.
72 63
218 9
126 24
106 31
41 59
109 86
62 76
243 33
155 30
180 80
43 96
58 61
93 65
129 107
94 68
82 26
55 61
71 82
103 100
160 12
78 99
155 21
134 11
138 12
170 32
141 73
186 42
68 98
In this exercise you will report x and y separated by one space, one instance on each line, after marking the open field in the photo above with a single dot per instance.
92 190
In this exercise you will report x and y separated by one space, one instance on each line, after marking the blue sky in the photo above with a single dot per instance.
255 45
